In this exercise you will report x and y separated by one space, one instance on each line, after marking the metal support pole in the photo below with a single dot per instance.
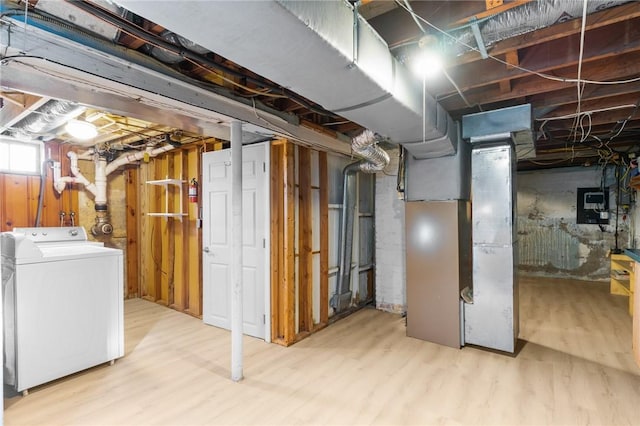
236 266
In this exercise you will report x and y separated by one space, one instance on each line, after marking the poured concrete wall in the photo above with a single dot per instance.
550 242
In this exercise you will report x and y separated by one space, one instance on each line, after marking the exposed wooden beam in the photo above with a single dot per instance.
623 67
604 18
597 118
591 92
603 44
596 104
512 60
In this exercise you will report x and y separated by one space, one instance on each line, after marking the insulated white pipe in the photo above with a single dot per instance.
60 183
130 158
101 181
236 243
75 171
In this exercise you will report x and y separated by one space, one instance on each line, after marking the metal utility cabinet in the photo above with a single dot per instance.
438 267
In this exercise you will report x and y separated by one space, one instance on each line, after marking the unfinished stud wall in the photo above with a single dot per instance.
389 241
299 243
550 242
170 247
306 197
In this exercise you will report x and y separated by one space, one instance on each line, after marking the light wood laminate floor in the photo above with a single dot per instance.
575 366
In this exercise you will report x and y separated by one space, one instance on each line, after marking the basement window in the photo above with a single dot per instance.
20 157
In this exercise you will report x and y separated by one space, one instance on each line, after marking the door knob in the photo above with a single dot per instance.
206 249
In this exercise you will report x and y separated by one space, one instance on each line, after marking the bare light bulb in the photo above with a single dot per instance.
427 64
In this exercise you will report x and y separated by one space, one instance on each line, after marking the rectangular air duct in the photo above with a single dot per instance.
311 48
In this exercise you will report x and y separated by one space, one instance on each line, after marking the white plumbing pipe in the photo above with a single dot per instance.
75 171
130 158
102 170
60 184
101 181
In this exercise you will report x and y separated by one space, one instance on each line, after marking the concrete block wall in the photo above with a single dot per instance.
389 241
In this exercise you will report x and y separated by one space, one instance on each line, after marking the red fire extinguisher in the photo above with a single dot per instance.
193 191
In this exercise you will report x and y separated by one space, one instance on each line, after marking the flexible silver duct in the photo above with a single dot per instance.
48 117
366 146
529 17
375 159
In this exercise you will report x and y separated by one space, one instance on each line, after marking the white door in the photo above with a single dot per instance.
216 238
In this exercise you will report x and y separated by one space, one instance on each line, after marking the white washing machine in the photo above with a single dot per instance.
63 304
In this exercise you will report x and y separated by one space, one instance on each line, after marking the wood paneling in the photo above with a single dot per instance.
19 195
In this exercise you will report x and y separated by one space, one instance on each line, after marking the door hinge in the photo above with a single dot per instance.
264 167
264 319
264 243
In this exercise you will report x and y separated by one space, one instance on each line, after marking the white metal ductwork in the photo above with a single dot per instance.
321 50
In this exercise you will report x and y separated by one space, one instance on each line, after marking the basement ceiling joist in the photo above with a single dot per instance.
611 54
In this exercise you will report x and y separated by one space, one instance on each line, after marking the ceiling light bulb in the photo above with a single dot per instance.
427 64
81 130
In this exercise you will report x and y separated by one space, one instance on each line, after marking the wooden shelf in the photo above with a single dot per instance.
166 183
167 214
622 277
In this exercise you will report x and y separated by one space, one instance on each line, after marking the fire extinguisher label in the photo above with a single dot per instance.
193 191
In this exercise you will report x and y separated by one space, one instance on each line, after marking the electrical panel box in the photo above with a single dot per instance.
592 206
